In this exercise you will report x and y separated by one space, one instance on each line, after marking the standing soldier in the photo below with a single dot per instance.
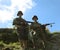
36 27
22 30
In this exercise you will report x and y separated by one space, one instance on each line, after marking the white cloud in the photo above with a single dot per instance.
7 12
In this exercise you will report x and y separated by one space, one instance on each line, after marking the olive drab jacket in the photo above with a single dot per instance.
21 25
39 31
35 26
19 21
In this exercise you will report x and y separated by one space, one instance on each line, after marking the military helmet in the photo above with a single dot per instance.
19 12
35 17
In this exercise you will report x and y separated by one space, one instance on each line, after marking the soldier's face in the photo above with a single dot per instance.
35 20
20 14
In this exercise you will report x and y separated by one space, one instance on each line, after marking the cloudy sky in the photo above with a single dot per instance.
48 11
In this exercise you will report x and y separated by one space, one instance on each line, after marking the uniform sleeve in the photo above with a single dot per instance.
14 21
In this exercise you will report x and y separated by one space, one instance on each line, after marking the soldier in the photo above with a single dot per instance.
34 27
21 26
39 34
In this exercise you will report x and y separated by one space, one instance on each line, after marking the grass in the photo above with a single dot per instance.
14 46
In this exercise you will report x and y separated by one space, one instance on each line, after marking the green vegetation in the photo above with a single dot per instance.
8 35
8 38
14 45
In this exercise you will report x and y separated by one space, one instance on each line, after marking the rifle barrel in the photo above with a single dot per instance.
29 22
48 24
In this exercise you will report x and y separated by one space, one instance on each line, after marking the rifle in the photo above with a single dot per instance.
48 24
29 22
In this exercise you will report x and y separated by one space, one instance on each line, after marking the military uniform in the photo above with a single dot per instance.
22 29
36 27
38 36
